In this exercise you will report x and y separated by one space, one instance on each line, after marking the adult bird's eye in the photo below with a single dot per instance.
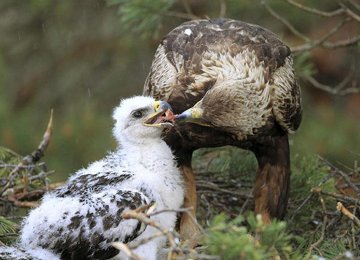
137 114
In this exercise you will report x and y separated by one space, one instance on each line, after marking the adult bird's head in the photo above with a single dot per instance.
141 119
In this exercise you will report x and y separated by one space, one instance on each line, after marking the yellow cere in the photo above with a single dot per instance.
196 113
156 106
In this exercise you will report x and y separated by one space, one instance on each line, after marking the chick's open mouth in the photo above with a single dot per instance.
161 119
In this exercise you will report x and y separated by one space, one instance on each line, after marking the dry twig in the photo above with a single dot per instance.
222 12
285 22
32 158
343 175
322 42
337 12
143 215
22 204
124 248
144 218
337 90
187 7
323 228
336 196
346 14
305 201
341 208
181 15
140 215
213 186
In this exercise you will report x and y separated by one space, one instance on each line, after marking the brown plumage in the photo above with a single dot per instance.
236 83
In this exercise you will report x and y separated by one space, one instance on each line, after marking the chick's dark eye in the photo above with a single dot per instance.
137 114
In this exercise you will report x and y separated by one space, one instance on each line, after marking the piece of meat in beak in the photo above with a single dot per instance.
162 116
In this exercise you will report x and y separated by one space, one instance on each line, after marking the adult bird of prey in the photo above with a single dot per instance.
234 84
81 219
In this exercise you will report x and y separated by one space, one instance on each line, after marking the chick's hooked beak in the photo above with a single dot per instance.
162 116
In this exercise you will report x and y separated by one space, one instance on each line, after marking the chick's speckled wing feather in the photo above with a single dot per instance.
84 216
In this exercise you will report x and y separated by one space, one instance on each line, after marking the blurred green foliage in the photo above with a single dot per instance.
308 172
303 65
248 238
229 161
81 57
142 16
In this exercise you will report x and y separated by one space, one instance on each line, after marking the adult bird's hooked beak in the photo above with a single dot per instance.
162 116
193 115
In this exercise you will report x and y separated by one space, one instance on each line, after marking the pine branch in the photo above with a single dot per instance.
32 158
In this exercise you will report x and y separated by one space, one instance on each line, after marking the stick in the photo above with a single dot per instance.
34 156
124 248
133 214
169 210
323 228
213 186
222 12
341 208
316 11
285 22
343 174
23 204
311 44
337 196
